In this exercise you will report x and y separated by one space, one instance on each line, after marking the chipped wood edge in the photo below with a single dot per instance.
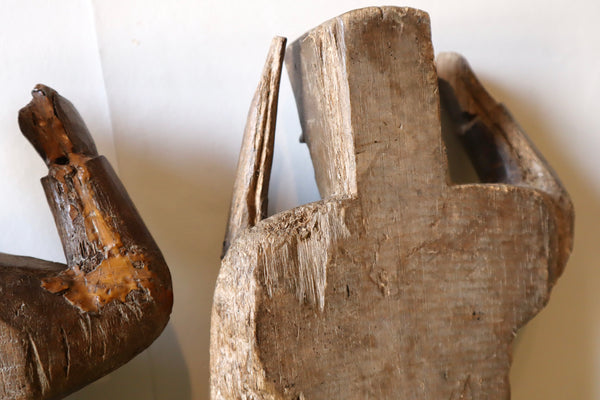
251 188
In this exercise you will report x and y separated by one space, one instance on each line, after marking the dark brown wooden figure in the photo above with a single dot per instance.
64 326
399 284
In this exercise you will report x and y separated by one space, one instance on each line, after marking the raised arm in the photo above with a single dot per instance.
64 326
109 251
500 150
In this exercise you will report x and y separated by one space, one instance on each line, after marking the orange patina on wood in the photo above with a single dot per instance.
63 326
121 270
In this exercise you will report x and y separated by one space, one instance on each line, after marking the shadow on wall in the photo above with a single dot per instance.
554 354
185 203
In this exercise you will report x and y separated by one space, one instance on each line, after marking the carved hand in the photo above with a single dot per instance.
54 127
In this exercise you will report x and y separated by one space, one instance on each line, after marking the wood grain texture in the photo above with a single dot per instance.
399 284
251 188
63 326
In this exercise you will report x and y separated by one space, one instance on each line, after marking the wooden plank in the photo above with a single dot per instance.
399 283
251 188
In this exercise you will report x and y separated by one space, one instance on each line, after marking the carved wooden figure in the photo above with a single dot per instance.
399 284
63 326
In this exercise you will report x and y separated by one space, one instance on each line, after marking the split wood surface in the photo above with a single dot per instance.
64 326
399 284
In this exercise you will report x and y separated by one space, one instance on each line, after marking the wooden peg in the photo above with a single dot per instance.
64 326
399 284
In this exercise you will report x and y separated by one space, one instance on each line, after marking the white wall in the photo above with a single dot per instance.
171 83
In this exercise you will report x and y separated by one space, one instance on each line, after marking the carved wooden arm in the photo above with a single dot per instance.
399 284
500 150
63 326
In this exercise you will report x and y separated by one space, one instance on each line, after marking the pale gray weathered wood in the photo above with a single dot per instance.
399 284
251 188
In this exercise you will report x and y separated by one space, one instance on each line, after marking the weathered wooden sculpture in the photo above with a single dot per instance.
399 284
63 326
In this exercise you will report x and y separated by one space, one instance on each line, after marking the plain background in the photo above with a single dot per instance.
165 88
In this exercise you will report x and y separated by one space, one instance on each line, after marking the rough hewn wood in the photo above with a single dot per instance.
63 326
251 187
399 284
500 150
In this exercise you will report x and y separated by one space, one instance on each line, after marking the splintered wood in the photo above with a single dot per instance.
399 284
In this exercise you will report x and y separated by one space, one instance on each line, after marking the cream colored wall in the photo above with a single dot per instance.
172 82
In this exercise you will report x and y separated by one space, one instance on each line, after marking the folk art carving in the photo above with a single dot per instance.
63 326
399 283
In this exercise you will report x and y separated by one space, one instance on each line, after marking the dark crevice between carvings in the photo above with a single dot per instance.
473 156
